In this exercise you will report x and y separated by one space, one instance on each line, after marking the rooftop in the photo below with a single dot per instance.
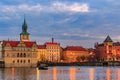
75 48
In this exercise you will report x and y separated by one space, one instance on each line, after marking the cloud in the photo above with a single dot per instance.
52 7
73 7
21 7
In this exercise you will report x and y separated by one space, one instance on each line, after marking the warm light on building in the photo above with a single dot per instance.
53 51
108 50
75 54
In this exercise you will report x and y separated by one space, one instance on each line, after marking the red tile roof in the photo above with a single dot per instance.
12 43
15 43
52 43
41 47
75 48
29 43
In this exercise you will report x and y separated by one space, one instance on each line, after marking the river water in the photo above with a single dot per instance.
61 73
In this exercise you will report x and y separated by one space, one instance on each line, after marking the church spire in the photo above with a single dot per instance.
24 35
24 27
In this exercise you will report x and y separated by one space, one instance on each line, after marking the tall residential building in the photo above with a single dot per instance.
75 54
108 50
21 53
53 51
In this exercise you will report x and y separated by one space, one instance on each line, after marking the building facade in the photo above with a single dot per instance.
21 53
53 51
42 53
75 54
108 50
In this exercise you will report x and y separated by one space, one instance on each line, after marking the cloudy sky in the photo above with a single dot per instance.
70 22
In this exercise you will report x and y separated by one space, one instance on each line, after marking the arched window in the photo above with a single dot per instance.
17 54
13 61
28 61
17 61
21 61
24 55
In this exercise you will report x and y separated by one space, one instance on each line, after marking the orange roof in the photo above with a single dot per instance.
15 43
41 47
75 48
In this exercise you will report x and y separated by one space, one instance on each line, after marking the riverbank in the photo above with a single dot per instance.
115 63
112 63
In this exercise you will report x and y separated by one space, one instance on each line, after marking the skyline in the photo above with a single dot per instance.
70 22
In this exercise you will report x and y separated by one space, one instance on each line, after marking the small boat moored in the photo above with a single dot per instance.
42 66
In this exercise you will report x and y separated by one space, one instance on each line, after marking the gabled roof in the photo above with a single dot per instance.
108 39
75 48
15 43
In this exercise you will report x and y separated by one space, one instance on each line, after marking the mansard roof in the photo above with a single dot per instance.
15 43
108 39
75 48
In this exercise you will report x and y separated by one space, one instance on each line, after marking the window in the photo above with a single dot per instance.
17 61
18 55
21 61
24 55
28 61
13 61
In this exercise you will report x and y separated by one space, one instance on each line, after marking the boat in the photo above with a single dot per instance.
42 66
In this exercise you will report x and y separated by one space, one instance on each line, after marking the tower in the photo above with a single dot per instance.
108 44
24 35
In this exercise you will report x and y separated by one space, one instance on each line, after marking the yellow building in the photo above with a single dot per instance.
75 54
21 53
42 53
53 51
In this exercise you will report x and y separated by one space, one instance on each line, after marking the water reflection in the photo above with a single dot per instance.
91 73
108 74
118 74
72 73
61 73
54 73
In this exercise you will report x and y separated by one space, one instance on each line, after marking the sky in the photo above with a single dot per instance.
69 22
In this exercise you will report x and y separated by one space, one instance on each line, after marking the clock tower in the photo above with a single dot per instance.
24 35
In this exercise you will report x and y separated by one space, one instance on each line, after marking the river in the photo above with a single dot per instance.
61 73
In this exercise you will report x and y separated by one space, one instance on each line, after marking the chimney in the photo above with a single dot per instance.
52 40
